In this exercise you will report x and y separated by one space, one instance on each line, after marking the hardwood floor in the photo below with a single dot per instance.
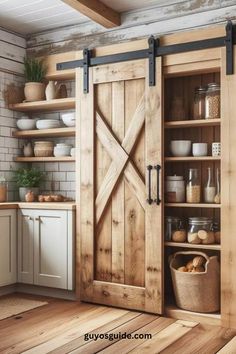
60 327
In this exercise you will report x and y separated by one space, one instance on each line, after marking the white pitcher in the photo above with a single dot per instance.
52 90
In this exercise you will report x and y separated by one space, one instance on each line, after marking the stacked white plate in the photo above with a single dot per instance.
48 124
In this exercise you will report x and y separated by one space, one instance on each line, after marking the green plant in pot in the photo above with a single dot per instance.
34 70
28 180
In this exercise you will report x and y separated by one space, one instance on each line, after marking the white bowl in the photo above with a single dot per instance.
26 124
62 150
199 149
180 148
48 124
68 119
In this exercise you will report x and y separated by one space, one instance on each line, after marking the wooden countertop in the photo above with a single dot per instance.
37 205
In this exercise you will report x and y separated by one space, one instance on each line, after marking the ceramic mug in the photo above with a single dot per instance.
216 149
199 149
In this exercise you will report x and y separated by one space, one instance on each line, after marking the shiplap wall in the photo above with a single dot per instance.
166 17
12 51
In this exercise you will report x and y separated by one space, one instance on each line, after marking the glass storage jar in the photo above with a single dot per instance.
200 230
3 191
193 189
213 101
175 189
174 230
199 103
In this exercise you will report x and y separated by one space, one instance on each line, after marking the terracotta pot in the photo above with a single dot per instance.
34 91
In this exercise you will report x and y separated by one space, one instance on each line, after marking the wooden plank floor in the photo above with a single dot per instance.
60 327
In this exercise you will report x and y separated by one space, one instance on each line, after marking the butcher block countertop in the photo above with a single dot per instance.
37 205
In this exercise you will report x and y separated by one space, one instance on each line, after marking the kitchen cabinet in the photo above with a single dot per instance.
7 247
123 253
45 248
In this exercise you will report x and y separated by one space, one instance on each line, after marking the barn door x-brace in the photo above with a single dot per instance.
155 50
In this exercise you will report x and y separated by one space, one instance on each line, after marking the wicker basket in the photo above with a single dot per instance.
43 149
199 292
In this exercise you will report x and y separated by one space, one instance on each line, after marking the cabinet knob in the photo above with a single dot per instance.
29 218
37 219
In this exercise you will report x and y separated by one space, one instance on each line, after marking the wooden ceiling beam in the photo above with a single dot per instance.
96 11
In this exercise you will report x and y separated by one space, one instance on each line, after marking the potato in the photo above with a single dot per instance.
210 238
182 269
193 238
189 266
179 236
198 261
198 270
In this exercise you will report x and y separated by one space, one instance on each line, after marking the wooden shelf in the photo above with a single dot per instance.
45 159
44 106
189 205
192 158
190 245
192 123
55 132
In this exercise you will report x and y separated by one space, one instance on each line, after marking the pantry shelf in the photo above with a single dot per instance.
191 205
190 245
45 159
44 106
192 123
192 158
55 132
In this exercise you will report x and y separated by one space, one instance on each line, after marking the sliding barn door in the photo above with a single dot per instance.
119 134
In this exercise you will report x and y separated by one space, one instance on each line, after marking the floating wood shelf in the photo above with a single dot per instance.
192 123
45 159
44 106
189 205
190 245
55 132
192 158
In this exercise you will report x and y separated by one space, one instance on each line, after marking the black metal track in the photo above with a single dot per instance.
228 41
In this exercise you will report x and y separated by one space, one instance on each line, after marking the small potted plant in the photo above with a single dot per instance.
34 71
28 180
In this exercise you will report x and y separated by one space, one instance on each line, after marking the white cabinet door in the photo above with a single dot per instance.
51 249
7 247
26 246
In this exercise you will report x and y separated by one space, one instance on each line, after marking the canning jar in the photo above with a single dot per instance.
193 189
174 230
213 101
199 103
200 230
3 191
175 189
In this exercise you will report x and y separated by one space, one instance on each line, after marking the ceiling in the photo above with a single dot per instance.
29 16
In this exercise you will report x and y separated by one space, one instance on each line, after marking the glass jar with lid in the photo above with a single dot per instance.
200 230
175 189
213 101
174 229
199 103
193 189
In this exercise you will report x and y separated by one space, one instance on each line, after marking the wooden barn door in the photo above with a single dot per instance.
120 134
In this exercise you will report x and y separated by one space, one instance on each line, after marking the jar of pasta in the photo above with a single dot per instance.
213 101
193 189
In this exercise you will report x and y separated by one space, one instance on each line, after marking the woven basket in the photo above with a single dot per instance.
198 292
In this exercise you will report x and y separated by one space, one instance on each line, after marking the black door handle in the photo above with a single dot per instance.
149 200
158 200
